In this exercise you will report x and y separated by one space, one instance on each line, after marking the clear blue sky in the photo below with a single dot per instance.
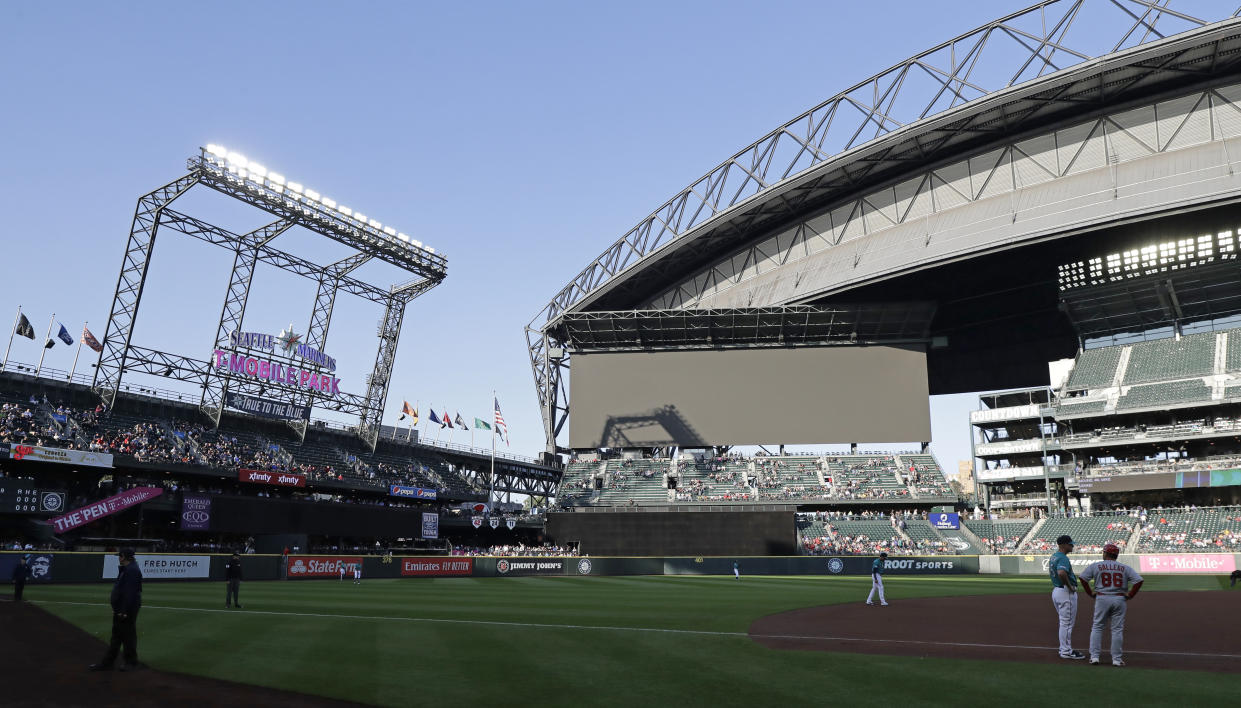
520 139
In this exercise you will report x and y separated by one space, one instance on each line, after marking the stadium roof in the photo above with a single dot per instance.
1014 75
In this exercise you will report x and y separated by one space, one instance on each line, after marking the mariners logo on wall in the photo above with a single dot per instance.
836 565
52 501
477 521
502 566
583 566
495 523
511 523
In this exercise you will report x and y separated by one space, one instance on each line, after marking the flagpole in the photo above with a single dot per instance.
79 353
491 488
11 335
410 437
49 336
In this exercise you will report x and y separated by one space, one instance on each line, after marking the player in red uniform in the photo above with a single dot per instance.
1115 584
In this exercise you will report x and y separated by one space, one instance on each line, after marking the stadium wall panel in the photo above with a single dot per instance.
839 394
259 515
742 533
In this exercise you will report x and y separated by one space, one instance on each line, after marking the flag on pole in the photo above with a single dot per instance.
447 421
408 410
435 419
90 340
64 335
461 422
25 329
481 424
500 426
49 343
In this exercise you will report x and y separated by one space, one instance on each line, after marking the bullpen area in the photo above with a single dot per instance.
659 640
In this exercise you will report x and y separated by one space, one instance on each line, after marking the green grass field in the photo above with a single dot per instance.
589 641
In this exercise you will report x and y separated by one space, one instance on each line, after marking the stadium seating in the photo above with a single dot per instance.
865 477
925 477
1153 395
852 537
634 482
1095 368
1166 359
1000 537
713 481
1090 533
1066 407
1191 530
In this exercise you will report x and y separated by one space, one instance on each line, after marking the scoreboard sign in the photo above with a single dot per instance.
16 498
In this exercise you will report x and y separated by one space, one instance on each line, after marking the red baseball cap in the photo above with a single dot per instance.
1111 549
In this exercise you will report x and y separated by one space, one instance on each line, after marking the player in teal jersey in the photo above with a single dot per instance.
1064 595
876 580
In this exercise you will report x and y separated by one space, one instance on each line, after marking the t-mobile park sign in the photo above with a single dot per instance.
276 372
104 507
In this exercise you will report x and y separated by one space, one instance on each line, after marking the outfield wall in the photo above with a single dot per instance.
57 567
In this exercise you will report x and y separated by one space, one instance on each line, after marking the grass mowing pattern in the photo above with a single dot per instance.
392 662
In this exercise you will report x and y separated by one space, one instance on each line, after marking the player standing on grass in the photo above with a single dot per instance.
876 580
737 570
1112 593
357 573
1064 595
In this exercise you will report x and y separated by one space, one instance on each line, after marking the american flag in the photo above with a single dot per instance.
500 419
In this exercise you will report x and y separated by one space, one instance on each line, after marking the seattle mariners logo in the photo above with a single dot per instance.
53 501
502 566
836 565
583 566
288 339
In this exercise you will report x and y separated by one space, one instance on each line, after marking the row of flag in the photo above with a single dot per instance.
444 420
23 328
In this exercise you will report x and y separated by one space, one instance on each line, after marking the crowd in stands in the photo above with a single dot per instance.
518 549
18 425
1191 529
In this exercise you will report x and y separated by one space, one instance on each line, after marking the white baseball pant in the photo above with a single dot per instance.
876 584
1105 607
1065 600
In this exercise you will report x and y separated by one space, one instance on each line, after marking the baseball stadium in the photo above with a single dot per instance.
1042 212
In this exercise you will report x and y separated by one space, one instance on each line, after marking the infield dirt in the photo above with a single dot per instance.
1195 631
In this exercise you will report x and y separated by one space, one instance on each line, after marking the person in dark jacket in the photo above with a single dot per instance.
126 601
232 573
21 573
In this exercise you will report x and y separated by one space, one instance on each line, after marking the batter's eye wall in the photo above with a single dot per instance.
839 394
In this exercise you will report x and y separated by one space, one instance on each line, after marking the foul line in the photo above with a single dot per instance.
702 632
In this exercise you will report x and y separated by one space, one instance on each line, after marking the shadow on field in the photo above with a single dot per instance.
45 658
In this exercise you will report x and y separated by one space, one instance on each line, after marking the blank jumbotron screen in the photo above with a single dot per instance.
843 394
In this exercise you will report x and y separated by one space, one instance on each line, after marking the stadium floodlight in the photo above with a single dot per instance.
310 204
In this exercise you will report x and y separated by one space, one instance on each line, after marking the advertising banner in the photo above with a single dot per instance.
322 566
430 524
436 567
16 498
105 507
40 566
404 492
195 512
161 567
945 521
278 479
85 458
276 410
530 566
1213 563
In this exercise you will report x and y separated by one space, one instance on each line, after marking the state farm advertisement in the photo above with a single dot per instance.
279 479
322 566
1188 563
162 567
436 567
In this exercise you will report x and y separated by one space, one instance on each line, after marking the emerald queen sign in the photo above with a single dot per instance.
276 372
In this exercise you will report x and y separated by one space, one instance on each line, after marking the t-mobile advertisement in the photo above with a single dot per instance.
1213 563
322 566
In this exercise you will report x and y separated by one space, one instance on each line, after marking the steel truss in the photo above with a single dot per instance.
978 65
120 355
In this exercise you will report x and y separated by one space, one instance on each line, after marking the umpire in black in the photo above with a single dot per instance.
126 600
21 572
232 573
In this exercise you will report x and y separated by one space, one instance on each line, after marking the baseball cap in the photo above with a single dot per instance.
883 554
1111 549
126 553
1064 539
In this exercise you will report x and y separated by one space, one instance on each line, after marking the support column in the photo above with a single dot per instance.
212 404
129 285
389 335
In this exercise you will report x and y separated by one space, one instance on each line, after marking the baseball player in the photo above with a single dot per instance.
876 580
1112 593
357 574
1064 595
1236 575
737 570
